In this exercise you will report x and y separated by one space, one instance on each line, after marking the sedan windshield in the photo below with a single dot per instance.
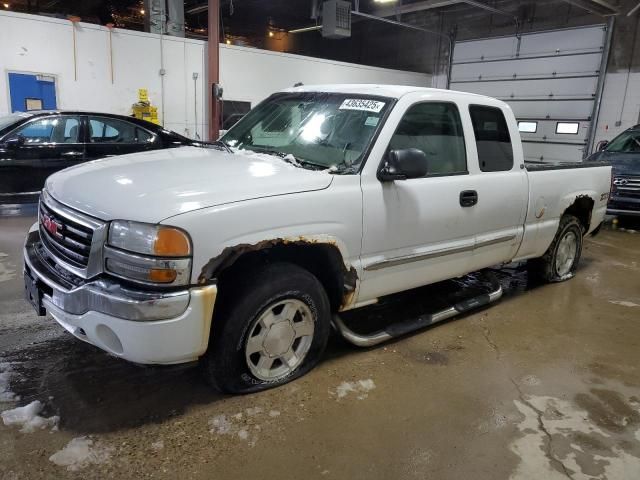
8 120
313 130
626 142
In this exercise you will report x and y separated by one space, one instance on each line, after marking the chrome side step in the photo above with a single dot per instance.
402 328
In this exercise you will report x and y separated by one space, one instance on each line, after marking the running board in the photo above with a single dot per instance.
402 328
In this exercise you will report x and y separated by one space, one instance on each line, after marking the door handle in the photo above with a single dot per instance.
468 198
72 154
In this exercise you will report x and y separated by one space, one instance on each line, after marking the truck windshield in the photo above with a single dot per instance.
626 142
314 130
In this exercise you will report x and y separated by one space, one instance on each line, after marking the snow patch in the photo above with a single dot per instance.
624 303
80 453
157 446
27 417
360 387
274 413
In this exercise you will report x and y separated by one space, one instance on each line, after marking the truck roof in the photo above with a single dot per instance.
392 91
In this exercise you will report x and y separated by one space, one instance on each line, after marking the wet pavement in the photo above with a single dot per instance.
543 384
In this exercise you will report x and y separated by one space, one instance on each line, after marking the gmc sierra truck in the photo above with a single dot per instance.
320 200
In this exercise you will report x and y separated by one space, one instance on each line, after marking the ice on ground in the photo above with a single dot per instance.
274 413
27 417
361 387
251 411
159 445
624 303
80 453
220 424
6 373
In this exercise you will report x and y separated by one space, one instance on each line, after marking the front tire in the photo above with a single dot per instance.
560 261
268 331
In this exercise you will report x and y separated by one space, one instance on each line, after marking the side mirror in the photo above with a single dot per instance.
602 144
14 142
403 164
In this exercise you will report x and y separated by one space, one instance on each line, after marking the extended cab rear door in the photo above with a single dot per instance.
501 184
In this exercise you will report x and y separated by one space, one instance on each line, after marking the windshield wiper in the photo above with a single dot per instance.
221 143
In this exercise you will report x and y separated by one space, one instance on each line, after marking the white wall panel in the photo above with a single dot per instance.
37 44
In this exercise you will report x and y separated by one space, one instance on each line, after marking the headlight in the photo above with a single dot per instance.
148 254
158 240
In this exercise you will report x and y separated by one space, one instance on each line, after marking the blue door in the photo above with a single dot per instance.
32 92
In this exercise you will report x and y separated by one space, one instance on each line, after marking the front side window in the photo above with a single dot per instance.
114 130
50 130
493 142
318 130
626 142
436 129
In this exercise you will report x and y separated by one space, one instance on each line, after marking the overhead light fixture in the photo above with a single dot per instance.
142 11
228 42
384 1
6 5
271 33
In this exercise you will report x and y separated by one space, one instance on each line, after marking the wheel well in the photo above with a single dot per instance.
323 260
582 209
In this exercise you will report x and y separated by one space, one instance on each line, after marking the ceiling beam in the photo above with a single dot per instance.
431 4
634 10
593 7
414 7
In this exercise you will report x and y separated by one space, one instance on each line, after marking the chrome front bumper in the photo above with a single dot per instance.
77 296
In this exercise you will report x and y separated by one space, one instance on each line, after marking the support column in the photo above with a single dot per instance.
213 63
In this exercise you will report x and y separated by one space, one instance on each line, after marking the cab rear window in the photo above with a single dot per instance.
495 153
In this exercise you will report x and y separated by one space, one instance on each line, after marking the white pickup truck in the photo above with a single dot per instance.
320 200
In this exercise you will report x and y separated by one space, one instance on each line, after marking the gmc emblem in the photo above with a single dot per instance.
49 224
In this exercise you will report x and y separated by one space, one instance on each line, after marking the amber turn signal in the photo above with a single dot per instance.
162 275
171 242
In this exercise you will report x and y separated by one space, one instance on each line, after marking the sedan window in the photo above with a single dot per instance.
113 130
50 130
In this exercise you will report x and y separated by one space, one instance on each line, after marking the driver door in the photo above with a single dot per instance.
419 231
40 148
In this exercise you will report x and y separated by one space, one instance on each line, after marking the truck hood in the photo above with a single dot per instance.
152 186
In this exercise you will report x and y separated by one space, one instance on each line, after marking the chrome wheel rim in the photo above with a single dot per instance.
279 339
566 253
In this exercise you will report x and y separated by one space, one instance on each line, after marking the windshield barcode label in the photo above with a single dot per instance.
362 104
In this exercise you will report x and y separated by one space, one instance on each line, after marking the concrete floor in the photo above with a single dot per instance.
543 385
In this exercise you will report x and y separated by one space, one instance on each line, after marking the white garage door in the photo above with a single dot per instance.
550 80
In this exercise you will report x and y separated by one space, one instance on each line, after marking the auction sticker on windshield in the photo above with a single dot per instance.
362 104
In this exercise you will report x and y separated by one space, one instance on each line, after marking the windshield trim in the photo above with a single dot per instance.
353 170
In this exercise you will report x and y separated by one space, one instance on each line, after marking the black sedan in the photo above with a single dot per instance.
623 152
34 145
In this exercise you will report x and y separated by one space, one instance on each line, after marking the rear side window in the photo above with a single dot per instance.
436 129
495 153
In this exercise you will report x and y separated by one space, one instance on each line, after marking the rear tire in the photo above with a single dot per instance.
268 331
560 261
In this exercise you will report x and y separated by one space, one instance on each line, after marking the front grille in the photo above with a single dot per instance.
65 239
627 186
